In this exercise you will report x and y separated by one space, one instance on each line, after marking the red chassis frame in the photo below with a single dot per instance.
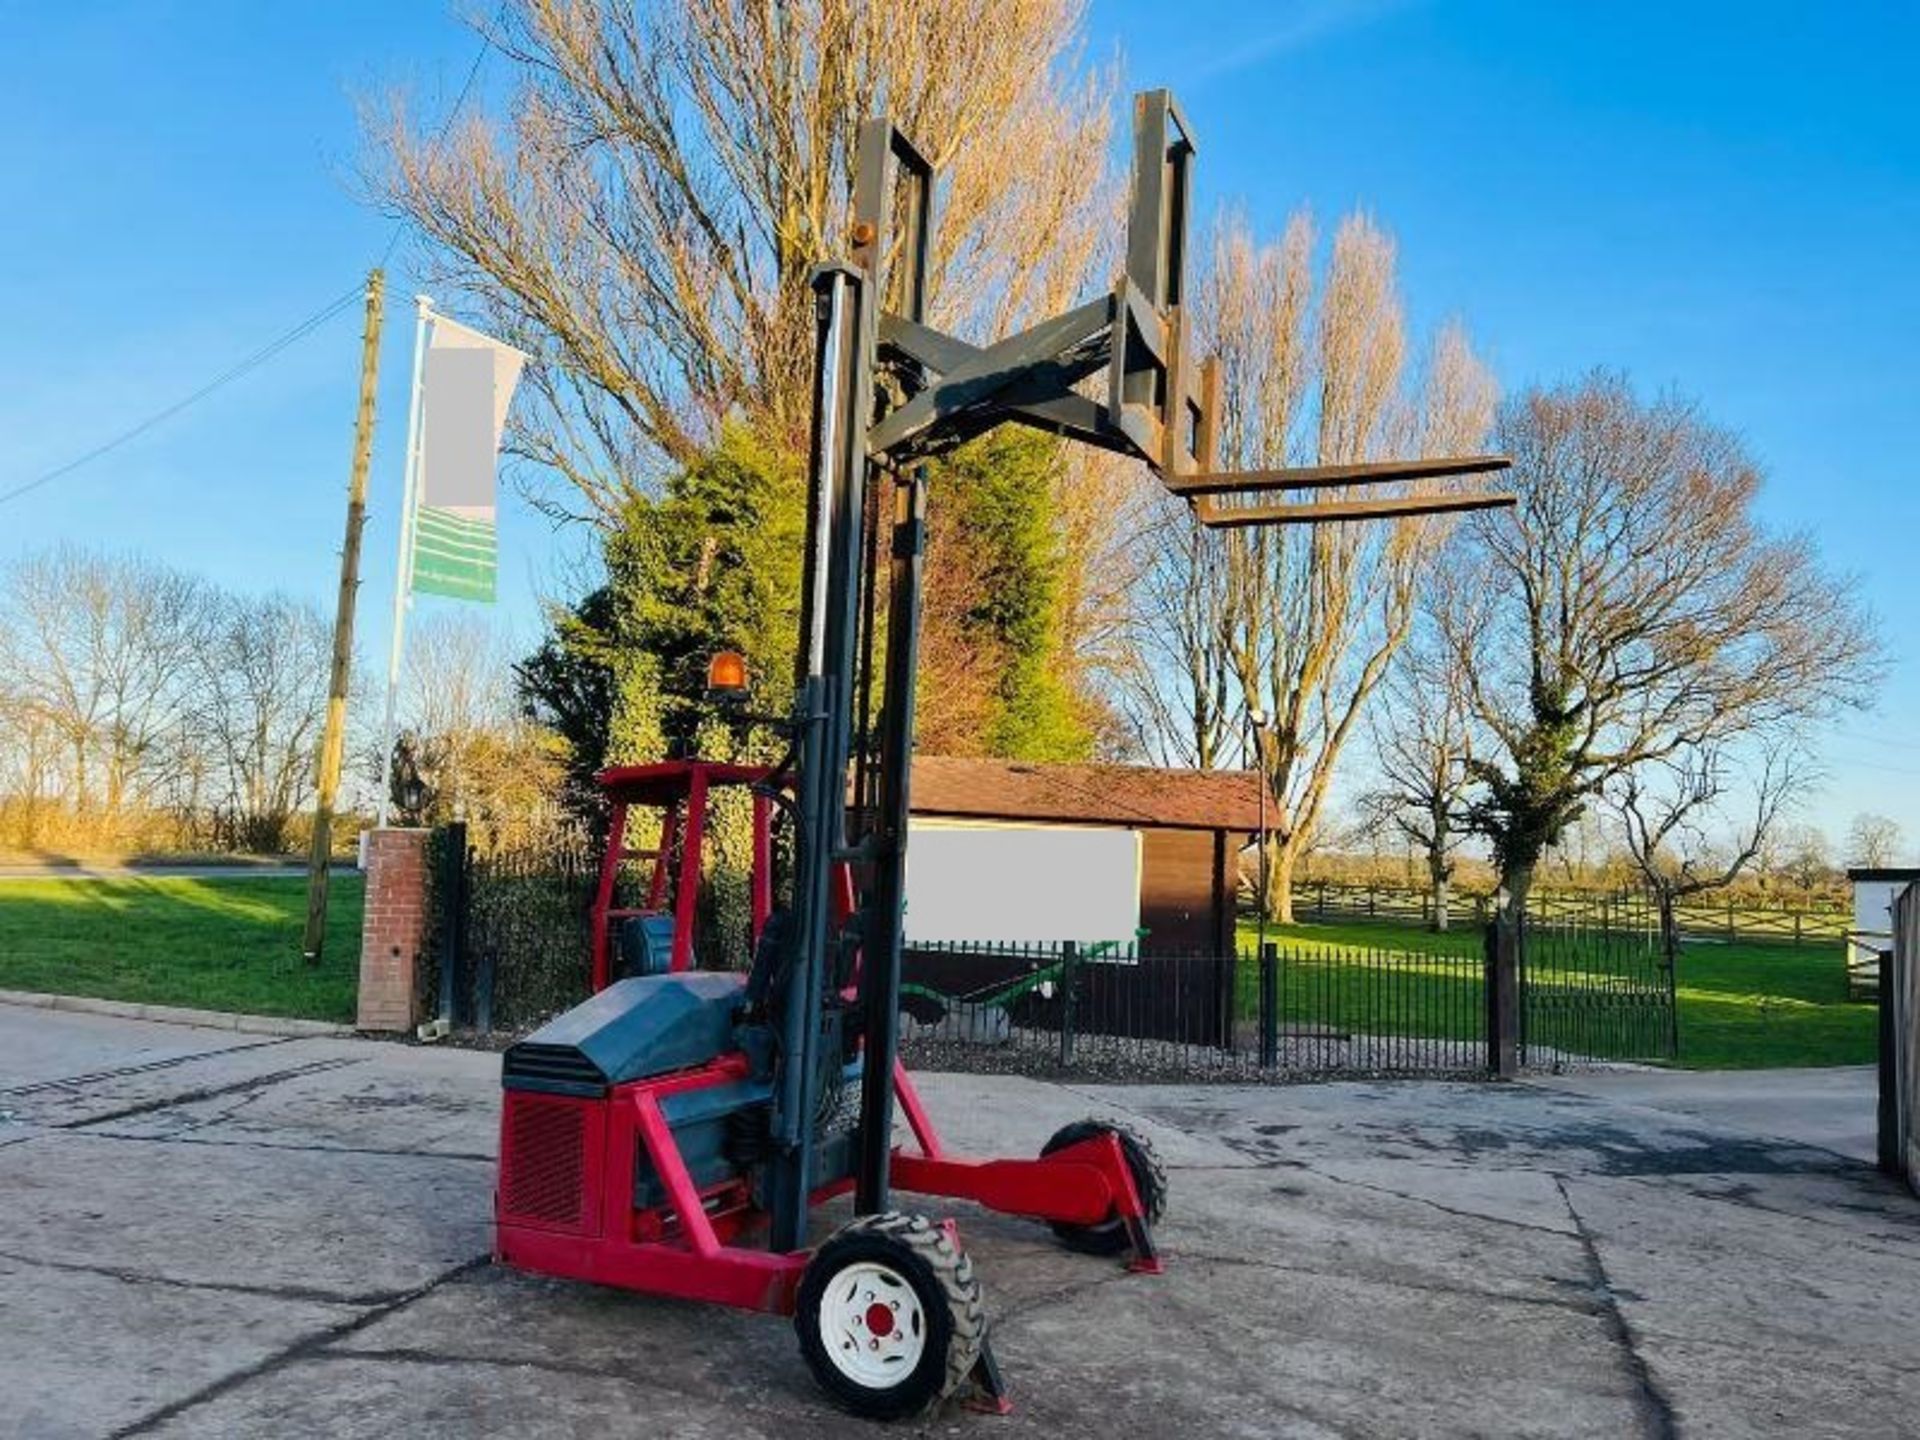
565 1201
686 1247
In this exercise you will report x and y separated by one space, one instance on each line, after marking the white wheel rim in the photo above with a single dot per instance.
853 1305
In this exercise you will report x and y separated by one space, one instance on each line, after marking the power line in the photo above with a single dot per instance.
446 125
1878 739
272 348
224 378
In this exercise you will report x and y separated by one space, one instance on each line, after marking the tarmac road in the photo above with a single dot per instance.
205 1233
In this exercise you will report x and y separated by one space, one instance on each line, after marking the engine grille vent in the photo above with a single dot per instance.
542 1180
552 1065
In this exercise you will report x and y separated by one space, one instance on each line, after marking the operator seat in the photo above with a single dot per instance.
645 946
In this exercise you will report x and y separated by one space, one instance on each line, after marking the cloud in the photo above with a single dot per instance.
1301 26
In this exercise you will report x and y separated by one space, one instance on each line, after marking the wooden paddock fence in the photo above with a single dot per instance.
1701 918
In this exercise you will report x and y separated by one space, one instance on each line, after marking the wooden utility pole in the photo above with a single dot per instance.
333 739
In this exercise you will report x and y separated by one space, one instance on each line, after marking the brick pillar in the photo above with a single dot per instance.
394 930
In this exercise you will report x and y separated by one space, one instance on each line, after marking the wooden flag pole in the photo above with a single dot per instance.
334 738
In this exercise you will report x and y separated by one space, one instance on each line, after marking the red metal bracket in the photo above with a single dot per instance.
918 1120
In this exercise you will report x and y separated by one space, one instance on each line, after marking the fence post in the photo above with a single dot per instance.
1269 1006
452 884
1068 953
1670 953
1226 1003
1889 1111
1503 992
1490 992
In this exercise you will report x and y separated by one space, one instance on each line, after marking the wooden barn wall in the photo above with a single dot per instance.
1185 906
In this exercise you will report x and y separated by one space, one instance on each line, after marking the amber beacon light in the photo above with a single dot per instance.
727 676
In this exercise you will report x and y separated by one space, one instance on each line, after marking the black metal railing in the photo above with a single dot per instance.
1292 1011
1718 918
509 932
514 928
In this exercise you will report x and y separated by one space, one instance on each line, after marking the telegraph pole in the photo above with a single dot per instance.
334 739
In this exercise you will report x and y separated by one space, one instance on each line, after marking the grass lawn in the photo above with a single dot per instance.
225 944
1742 1006
1370 979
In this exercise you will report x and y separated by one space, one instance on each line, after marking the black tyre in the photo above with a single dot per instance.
889 1316
1109 1237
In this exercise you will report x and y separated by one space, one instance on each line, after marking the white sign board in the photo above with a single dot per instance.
1034 884
1873 915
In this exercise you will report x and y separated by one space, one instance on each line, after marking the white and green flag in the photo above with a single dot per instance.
469 384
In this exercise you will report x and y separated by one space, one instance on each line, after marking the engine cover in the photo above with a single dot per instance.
633 1030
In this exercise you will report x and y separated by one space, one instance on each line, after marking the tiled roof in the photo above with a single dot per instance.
1131 795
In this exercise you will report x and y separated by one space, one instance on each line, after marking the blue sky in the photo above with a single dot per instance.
1718 197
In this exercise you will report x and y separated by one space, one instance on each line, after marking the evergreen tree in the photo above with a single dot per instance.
711 564
992 502
714 563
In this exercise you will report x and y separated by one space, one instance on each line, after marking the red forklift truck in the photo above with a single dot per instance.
673 1133
636 1130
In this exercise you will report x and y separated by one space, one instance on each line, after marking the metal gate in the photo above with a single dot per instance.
509 931
1599 987
1286 1012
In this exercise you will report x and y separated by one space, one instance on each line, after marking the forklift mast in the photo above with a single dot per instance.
834 683
852 766
648 1131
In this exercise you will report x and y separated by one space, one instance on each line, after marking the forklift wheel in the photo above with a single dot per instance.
889 1315
1109 1237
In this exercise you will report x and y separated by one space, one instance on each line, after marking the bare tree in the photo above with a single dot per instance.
1585 853
260 699
1178 687
29 760
1422 739
482 760
1806 860
100 647
1873 841
1694 820
645 216
1632 609
1304 621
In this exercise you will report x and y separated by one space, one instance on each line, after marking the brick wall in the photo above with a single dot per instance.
394 929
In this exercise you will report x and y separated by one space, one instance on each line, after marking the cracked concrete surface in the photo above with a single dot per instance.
210 1234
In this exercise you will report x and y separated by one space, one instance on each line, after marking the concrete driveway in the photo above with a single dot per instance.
1835 1109
212 1234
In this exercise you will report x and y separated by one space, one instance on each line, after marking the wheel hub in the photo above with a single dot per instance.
871 1325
